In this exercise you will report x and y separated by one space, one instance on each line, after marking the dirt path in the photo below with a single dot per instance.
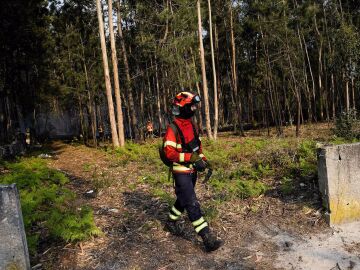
132 221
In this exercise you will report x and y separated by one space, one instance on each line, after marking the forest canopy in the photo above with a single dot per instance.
258 63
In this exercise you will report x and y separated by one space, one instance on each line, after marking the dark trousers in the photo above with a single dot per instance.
185 195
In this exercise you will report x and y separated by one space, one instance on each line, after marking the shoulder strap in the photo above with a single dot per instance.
177 131
196 134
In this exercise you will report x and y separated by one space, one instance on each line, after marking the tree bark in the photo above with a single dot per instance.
115 138
203 72
200 124
120 118
91 107
320 71
216 105
237 99
158 104
353 93
134 121
347 96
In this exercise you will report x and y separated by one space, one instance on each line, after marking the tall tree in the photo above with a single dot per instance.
132 108
216 105
120 121
237 98
203 72
114 133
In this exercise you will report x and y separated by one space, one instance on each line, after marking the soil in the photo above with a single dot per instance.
258 233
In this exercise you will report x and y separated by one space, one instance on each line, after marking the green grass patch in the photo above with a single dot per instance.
228 186
287 186
133 152
46 203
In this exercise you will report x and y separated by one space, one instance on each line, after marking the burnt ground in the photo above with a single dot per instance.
132 221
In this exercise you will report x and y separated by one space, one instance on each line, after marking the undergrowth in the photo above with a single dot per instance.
243 168
46 203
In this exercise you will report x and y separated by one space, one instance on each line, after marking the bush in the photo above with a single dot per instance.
347 125
133 152
45 203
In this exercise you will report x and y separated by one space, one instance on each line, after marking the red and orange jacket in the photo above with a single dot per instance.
173 148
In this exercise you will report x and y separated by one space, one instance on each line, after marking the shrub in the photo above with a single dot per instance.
45 202
307 158
347 125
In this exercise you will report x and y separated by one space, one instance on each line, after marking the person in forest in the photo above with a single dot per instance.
149 129
182 147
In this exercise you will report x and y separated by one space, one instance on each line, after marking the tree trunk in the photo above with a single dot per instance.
200 123
320 70
353 93
216 106
120 118
237 98
347 96
203 72
333 95
134 124
115 138
312 78
218 80
158 104
91 106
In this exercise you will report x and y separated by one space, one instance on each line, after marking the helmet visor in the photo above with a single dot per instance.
196 99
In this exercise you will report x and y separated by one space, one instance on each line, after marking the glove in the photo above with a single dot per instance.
209 165
198 162
194 157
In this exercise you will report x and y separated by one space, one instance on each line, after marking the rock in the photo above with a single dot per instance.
90 194
288 245
13 246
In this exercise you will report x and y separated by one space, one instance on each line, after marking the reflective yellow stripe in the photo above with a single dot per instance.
198 222
187 166
173 217
182 157
170 143
201 155
176 211
202 226
181 168
173 144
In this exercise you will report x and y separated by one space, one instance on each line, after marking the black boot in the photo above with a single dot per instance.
175 227
211 243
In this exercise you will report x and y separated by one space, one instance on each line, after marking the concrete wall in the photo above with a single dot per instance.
13 247
339 182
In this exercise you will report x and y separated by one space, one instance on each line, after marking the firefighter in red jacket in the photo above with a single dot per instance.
183 148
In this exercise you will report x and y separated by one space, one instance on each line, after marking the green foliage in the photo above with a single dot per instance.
347 126
144 153
72 225
307 158
45 202
211 211
255 172
157 180
228 185
254 160
163 195
286 186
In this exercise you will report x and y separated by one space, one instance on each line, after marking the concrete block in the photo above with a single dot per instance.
13 247
339 182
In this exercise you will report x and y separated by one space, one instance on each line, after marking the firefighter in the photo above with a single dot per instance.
182 147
